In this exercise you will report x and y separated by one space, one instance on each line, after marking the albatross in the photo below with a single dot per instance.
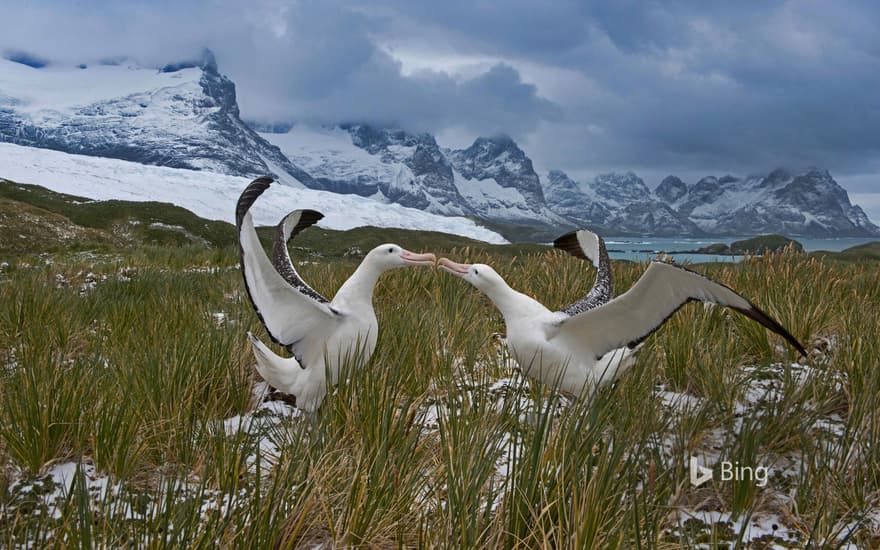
593 341
320 334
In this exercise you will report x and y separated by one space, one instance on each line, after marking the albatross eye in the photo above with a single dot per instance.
391 250
476 271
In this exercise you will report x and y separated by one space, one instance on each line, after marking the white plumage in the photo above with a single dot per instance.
320 334
588 347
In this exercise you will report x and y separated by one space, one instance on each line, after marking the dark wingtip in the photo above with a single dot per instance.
249 195
754 312
569 243
758 315
306 219
310 217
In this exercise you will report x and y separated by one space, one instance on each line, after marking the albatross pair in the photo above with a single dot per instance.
579 348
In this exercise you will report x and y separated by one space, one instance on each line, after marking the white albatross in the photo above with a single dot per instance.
581 348
320 334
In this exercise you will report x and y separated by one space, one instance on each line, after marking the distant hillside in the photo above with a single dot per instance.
863 252
35 219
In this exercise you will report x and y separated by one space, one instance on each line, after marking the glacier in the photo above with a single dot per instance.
212 195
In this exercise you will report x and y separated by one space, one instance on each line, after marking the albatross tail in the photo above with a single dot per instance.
287 375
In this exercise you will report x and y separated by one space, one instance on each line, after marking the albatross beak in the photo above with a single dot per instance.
449 266
411 258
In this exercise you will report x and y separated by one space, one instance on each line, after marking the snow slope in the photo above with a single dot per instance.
492 200
329 153
386 164
181 116
37 92
213 196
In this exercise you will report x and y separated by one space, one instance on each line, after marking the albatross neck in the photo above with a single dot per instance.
512 303
359 287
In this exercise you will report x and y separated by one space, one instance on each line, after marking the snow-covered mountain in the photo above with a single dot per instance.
810 203
390 165
498 181
492 180
185 115
671 189
619 202
211 195
807 204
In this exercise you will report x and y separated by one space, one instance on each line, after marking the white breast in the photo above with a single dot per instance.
354 339
554 364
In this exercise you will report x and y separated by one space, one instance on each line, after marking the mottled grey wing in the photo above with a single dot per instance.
287 229
589 246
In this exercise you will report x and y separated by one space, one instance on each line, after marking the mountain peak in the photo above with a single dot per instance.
620 186
494 156
806 203
557 176
780 174
188 119
207 62
671 189
499 140
502 165
375 139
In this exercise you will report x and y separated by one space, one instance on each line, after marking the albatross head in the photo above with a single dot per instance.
391 256
480 275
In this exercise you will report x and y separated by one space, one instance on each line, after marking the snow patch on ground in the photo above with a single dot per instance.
259 425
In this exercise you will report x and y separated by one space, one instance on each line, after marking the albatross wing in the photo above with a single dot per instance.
591 247
634 315
289 227
288 311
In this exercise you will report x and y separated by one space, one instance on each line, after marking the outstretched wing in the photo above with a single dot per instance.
589 246
634 315
291 225
287 312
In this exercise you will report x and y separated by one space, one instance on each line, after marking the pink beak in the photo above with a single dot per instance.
411 258
449 266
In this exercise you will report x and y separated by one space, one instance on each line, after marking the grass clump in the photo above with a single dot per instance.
128 416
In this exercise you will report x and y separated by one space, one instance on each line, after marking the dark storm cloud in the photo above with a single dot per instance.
746 85
315 61
650 86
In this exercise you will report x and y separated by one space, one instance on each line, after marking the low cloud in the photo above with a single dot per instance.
313 61
676 87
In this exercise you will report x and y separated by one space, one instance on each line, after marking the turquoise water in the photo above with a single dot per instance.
647 248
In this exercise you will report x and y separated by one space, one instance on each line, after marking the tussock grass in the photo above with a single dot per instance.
117 370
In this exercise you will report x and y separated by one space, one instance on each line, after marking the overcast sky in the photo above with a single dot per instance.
691 88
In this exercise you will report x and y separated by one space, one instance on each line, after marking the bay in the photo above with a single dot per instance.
642 249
